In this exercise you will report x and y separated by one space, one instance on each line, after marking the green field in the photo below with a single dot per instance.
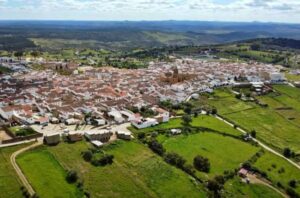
200 121
45 174
224 153
272 126
235 188
21 131
272 164
136 172
9 182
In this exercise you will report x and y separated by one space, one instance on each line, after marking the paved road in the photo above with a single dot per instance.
22 177
261 144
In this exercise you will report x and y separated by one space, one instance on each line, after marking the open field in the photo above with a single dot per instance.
200 121
235 188
45 174
224 153
272 165
9 182
136 172
271 125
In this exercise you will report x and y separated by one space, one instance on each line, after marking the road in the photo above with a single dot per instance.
19 172
260 143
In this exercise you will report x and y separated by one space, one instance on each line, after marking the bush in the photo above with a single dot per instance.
201 164
292 193
175 160
293 183
106 159
87 155
253 133
72 176
287 152
141 135
156 147
214 111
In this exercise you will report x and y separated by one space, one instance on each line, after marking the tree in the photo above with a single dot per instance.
253 133
72 176
196 114
141 135
18 54
156 147
238 96
201 164
186 120
255 47
87 156
34 54
216 184
287 152
188 110
175 160
214 111
293 183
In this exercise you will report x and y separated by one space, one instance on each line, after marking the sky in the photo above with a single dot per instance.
286 11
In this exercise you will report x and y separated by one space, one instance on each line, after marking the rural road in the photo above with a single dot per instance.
260 143
17 168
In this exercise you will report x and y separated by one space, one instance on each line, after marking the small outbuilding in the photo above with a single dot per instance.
97 143
52 139
74 136
124 135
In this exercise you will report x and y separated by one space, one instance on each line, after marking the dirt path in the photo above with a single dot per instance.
19 171
261 144
255 180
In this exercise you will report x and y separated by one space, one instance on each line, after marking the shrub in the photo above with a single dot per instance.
293 183
175 160
72 176
201 164
253 133
292 193
87 155
141 135
287 152
106 159
156 147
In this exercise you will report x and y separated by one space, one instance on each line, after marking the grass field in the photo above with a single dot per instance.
9 182
224 153
235 188
272 164
46 175
272 126
200 121
136 172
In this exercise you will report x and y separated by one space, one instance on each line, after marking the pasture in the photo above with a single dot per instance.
45 174
224 153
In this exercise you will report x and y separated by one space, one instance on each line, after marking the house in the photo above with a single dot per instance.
144 123
124 135
277 77
74 136
116 115
99 122
163 115
54 120
72 121
101 135
52 139
243 173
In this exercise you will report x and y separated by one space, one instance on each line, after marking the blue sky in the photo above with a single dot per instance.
209 10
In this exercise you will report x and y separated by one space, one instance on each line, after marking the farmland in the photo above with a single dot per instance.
278 170
220 150
45 174
9 182
236 188
136 172
200 121
269 123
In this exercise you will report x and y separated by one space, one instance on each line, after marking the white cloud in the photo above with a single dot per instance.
264 10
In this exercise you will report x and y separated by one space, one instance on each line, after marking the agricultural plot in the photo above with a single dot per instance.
236 188
224 153
46 175
276 126
200 121
278 170
9 182
135 172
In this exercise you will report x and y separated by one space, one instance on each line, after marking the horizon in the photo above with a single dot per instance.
271 11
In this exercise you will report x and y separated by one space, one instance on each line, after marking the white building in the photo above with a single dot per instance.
116 115
144 123
277 77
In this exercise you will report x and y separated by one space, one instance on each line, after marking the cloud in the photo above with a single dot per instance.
155 9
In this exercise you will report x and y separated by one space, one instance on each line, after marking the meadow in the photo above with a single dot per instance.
236 188
46 175
278 170
9 182
204 121
135 172
224 153
272 126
